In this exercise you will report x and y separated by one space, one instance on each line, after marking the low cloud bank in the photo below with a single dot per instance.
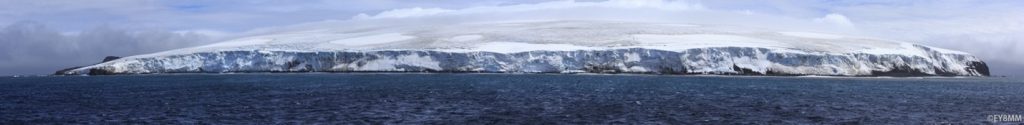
614 10
33 48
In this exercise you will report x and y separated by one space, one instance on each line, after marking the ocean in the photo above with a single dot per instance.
412 98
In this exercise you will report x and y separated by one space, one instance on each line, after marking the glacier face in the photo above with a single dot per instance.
728 60
556 47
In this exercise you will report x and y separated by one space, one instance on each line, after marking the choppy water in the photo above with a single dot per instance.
503 98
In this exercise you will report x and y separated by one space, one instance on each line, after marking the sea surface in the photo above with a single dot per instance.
383 98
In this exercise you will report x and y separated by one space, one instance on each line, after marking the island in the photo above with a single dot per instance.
556 46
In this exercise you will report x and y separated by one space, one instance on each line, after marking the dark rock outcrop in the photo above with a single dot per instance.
110 58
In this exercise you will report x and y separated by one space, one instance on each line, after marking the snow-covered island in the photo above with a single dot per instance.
554 47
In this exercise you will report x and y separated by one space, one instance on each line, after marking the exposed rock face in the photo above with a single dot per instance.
725 61
980 67
105 59
110 58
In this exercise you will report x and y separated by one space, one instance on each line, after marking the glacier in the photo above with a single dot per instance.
555 47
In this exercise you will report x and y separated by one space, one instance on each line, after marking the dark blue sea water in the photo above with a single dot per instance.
503 98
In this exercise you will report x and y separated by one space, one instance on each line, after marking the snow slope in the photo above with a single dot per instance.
556 47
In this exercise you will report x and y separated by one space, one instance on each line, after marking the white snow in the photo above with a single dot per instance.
467 38
392 64
239 42
633 57
688 41
812 35
904 49
681 25
948 51
514 47
521 36
373 39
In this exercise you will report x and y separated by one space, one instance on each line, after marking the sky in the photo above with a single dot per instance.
42 36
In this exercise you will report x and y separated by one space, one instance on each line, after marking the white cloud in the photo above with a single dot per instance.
836 19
